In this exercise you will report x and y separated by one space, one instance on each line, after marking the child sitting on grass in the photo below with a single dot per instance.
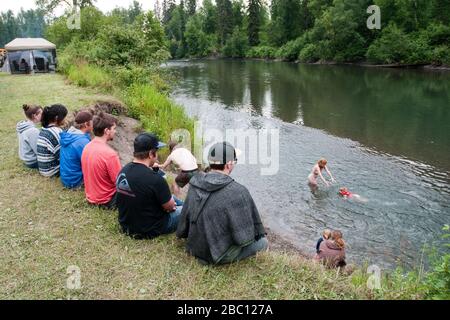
326 234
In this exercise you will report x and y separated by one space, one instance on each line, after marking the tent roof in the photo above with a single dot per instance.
29 44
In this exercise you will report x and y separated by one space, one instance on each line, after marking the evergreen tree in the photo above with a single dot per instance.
224 20
209 14
191 7
254 21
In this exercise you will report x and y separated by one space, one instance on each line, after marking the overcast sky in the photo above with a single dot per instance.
104 5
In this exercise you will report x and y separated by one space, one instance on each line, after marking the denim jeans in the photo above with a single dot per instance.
178 202
239 253
172 224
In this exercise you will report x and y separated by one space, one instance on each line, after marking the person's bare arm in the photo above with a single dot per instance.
170 206
323 179
329 173
165 164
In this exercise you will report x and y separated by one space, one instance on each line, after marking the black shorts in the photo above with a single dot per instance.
184 177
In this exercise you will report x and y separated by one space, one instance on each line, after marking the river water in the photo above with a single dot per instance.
385 133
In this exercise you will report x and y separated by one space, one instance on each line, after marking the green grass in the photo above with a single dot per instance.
86 75
44 229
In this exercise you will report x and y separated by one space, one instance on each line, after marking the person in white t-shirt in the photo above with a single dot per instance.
186 163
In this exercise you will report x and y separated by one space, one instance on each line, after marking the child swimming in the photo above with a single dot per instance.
346 194
317 172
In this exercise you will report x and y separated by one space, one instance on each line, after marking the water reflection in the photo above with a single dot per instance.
400 112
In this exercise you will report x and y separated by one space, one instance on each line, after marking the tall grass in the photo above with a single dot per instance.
85 75
156 111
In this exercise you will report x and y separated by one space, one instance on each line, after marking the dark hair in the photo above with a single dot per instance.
101 122
31 110
56 112
142 155
219 167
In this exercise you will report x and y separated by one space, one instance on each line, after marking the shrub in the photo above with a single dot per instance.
236 45
86 75
291 50
264 52
392 47
309 53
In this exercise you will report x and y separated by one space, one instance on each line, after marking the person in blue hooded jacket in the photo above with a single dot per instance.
72 144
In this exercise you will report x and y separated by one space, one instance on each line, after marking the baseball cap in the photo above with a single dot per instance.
83 117
222 153
146 142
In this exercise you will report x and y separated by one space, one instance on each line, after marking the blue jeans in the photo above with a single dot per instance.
178 202
172 223
239 253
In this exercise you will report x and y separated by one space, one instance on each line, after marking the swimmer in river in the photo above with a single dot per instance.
346 194
317 172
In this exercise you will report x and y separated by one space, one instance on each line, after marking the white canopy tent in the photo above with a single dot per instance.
29 55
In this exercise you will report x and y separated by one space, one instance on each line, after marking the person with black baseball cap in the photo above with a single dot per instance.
219 217
146 206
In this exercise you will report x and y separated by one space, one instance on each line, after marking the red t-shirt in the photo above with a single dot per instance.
100 165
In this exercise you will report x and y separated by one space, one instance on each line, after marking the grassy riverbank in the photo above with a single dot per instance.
44 229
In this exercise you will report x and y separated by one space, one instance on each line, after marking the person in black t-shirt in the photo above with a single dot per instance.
146 206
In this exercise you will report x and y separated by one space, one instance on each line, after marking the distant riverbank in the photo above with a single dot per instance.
428 67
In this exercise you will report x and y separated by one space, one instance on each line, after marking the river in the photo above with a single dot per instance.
385 133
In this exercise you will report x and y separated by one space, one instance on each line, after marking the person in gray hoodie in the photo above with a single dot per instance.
219 217
28 135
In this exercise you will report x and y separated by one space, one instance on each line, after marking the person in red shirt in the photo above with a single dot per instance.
100 164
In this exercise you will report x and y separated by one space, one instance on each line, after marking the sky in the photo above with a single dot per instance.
104 5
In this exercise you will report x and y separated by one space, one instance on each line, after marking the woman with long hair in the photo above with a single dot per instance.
48 145
332 251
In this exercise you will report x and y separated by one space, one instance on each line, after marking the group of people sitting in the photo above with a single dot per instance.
218 218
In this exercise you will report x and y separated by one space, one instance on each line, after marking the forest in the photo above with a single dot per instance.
411 31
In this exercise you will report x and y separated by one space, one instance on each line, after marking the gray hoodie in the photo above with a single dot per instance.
28 135
218 213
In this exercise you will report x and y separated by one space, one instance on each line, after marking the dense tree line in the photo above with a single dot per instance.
30 23
412 31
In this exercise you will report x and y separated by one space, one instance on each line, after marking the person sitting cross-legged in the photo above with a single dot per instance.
100 164
219 217
72 144
146 206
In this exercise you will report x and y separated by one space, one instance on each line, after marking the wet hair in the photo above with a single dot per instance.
336 236
326 233
322 162
103 121
31 110
55 113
